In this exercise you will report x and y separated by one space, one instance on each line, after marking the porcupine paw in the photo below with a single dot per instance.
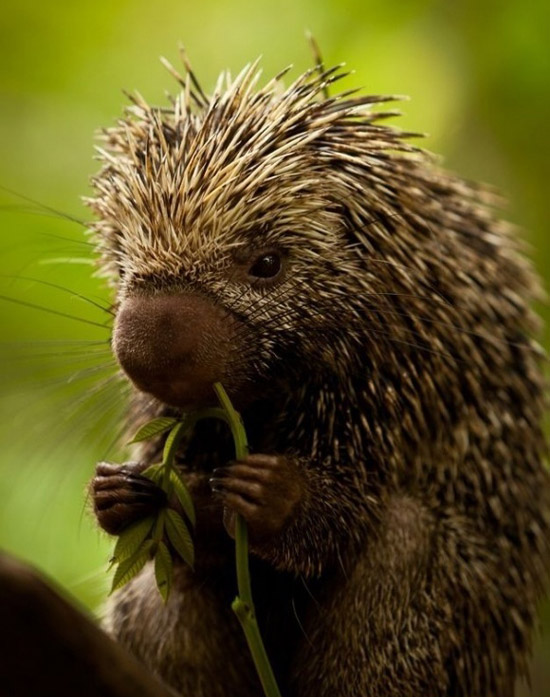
121 495
264 489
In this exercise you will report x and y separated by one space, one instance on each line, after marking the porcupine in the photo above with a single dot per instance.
368 313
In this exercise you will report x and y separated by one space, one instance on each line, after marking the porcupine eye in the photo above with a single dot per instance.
266 266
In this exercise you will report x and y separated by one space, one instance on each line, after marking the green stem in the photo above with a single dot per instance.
243 605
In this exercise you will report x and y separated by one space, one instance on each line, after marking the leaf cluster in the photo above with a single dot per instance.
159 537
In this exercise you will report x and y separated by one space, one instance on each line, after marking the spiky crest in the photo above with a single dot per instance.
184 181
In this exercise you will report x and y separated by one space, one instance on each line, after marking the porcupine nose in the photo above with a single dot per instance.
172 346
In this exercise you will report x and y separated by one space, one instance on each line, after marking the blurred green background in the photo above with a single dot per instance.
479 77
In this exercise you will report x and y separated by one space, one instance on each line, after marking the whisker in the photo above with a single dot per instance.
49 284
86 372
414 296
262 303
300 625
488 338
59 313
85 507
72 409
56 342
43 206
55 381
86 413
102 391
301 312
17 351
393 340
101 413
261 310
67 239
119 433
422 280
20 208
111 383
83 354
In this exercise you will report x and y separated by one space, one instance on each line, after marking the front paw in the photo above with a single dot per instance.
263 489
121 495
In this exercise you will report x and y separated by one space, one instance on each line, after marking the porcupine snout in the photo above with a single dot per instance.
173 346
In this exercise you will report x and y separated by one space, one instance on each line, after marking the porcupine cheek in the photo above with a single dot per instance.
173 346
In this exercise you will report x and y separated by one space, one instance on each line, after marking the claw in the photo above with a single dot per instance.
263 489
121 495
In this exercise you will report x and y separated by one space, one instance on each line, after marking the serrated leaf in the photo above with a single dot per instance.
128 568
154 428
183 495
154 472
179 537
163 570
158 530
178 432
130 540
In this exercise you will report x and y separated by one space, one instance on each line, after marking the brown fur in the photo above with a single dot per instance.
394 365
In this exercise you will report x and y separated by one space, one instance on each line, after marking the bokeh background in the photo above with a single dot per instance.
479 77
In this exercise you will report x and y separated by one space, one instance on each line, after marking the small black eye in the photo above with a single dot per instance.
266 266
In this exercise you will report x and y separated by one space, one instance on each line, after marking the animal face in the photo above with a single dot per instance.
260 232
223 235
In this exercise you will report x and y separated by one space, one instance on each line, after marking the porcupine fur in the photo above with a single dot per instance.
397 365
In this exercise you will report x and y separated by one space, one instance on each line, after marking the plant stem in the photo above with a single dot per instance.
243 605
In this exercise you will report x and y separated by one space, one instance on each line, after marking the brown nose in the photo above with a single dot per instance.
172 346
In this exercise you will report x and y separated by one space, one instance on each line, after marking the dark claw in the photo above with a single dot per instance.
105 499
264 489
121 495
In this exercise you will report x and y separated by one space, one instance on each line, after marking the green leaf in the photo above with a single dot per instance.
130 540
180 430
131 567
158 530
154 472
183 495
154 428
179 537
163 570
